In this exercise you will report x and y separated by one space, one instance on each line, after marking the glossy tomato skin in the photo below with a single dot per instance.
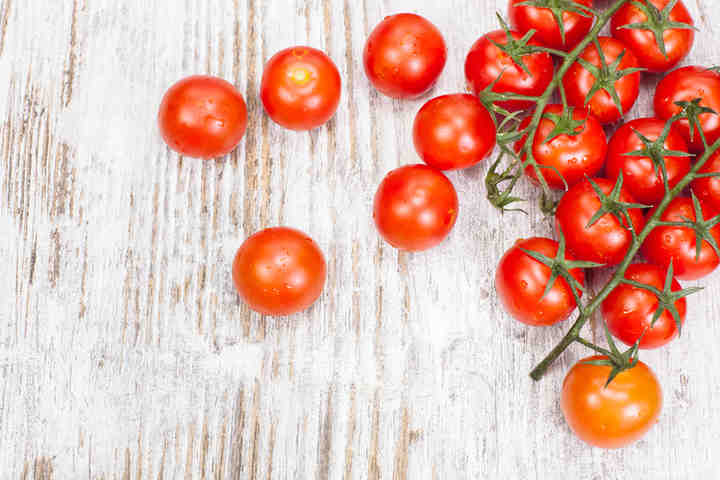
640 177
678 41
524 18
607 240
415 207
485 62
300 88
279 271
202 116
628 310
574 156
708 189
453 131
612 416
677 244
404 56
578 81
687 84
520 281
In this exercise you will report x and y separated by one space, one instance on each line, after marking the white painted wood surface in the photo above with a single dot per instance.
124 351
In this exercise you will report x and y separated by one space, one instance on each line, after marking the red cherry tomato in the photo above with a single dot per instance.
202 116
615 415
708 189
486 62
300 88
641 178
453 131
629 310
574 156
415 207
643 43
678 244
685 85
578 81
404 56
605 241
520 281
279 271
524 18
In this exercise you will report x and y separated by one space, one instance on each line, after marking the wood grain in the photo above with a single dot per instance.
124 351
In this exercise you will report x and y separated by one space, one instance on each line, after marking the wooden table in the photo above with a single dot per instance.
125 352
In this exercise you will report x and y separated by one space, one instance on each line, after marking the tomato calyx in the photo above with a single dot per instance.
614 206
666 297
606 76
656 151
691 111
515 49
657 22
564 124
560 266
701 227
615 359
557 8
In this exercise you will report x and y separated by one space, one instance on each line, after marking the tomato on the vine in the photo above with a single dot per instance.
687 84
607 240
678 244
404 56
486 62
574 156
707 189
279 271
613 415
636 24
415 207
642 177
202 116
629 311
618 73
300 88
453 131
521 281
576 22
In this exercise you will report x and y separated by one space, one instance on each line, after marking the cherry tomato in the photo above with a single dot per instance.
578 81
685 85
678 244
641 177
486 62
202 116
574 156
708 189
524 18
404 56
520 281
629 310
607 240
643 43
300 88
415 207
610 416
279 271
453 131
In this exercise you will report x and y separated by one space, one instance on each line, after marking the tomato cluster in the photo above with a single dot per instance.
611 188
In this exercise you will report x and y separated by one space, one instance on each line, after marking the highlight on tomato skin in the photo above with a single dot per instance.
613 415
629 311
404 56
455 131
300 88
415 207
520 282
279 271
485 62
524 18
643 42
202 116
